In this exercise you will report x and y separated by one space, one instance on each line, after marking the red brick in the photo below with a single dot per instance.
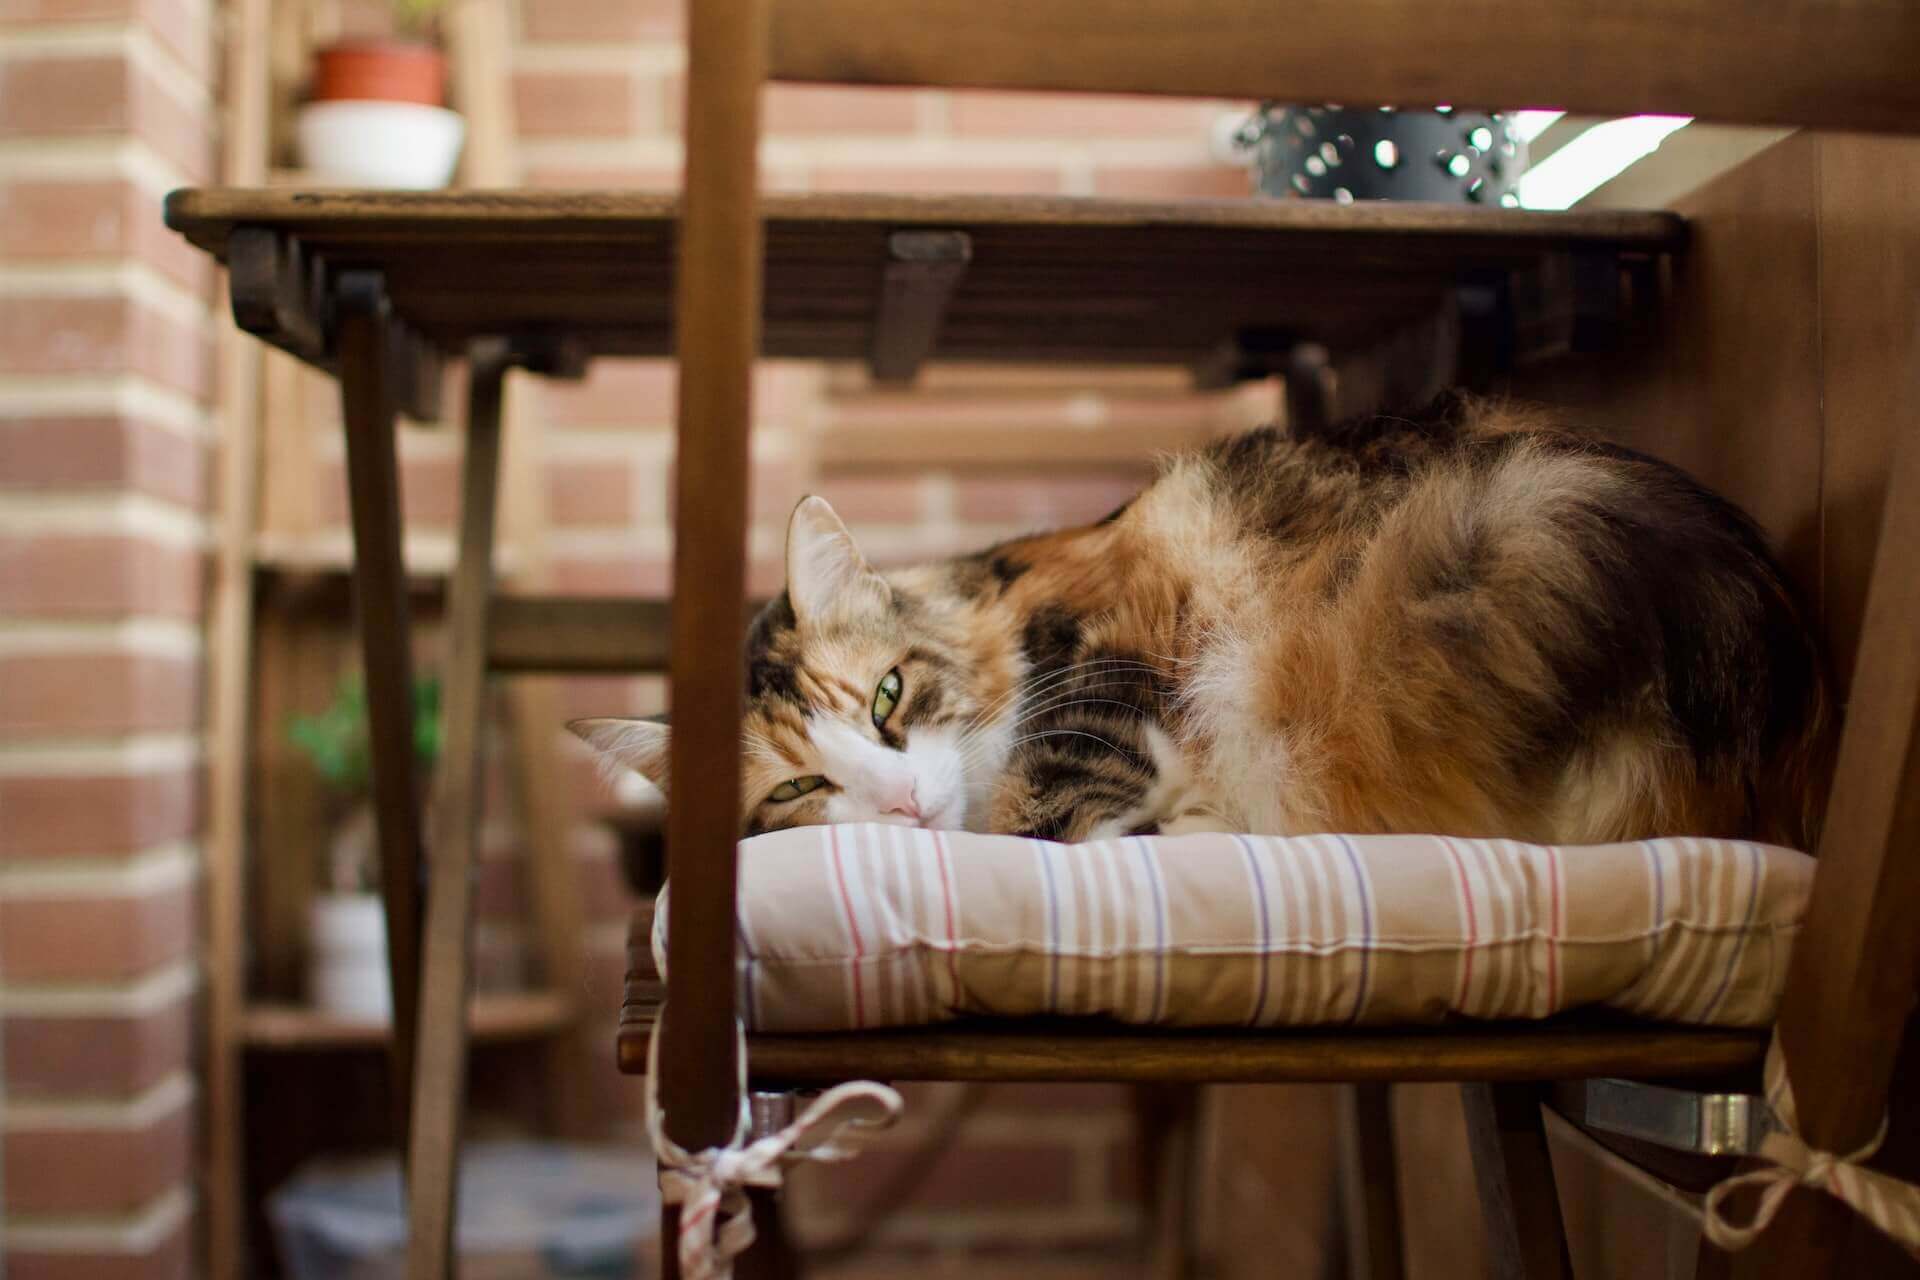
598 21
182 132
169 1259
186 30
615 393
97 815
103 335
97 693
96 1171
168 252
1069 497
632 575
94 939
180 26
1174 182
1080 115
26 13
811 109
605 104
94 95
95 1055
103 575
908 411
89 453
429 493
1178 414
637 177
75 219
879 497
946 179
599 492
56 95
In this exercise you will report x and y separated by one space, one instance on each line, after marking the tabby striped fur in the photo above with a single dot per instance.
1471 623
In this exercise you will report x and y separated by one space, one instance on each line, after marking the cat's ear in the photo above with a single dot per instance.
825 572
639 745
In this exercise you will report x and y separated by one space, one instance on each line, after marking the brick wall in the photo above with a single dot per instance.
105 370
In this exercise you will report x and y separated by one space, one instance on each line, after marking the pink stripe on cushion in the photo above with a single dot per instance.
1472 938
853 930
1553 928
1339 929
947 896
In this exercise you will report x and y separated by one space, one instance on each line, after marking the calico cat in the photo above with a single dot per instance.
1470 622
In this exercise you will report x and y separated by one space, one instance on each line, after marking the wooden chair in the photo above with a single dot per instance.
1832 63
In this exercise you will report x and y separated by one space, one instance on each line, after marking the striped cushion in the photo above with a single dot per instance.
873 926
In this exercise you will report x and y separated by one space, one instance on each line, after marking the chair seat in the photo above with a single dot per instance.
1575 1046
864 928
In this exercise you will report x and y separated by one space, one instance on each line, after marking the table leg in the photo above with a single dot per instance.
380 606
440 1087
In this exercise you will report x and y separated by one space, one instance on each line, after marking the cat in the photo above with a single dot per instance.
1469 622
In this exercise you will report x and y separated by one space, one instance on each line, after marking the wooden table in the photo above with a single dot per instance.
380 289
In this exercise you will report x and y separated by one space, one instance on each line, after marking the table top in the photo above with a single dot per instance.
1049 278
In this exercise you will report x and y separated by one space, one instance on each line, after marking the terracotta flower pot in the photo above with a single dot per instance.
380 71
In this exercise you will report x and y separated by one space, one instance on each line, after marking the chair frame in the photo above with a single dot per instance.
1831 63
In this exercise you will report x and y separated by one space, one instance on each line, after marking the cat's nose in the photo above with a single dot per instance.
901 799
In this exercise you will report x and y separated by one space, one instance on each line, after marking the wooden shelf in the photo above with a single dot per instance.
520 1015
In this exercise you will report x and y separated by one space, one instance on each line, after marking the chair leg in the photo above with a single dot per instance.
772 1255
1168 1117
1526 1239
1374 1243
440 1085
367 402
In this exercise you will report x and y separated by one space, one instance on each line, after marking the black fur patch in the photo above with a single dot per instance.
768 675
1050 638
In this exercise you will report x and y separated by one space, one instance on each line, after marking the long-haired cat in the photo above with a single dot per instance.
1472 623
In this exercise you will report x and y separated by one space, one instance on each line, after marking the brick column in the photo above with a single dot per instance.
105 377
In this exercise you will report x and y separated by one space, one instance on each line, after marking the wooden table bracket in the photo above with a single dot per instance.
923 269
286 295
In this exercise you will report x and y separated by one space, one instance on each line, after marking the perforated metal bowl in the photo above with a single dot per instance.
1347 154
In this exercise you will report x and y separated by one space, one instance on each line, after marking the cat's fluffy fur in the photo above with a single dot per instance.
1469 623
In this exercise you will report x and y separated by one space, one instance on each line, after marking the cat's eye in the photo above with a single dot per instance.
794 788
886 697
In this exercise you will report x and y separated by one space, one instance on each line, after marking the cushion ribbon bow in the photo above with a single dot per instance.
1886 1202
710 1186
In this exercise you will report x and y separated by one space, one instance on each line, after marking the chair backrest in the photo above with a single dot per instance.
1841 64
1845 64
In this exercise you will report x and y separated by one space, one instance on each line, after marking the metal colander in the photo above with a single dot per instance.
1347 154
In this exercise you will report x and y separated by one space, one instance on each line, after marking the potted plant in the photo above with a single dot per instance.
377 115
347 955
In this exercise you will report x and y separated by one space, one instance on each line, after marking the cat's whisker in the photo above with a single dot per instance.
1059 700
1047 680
978 754
1074 733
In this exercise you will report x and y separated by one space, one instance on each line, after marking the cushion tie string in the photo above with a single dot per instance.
1888 1203
710 1186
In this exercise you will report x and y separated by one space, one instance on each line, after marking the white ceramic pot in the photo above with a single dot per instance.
347 973
380 144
